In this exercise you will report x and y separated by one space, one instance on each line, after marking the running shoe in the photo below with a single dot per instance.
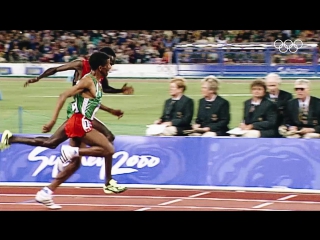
113 187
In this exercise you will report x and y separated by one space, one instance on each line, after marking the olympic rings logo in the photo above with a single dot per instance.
288 45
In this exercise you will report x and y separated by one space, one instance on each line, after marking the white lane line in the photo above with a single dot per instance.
281 200
180 199
272 202
262 205
198 194
137 206
170 202
142 209
286 197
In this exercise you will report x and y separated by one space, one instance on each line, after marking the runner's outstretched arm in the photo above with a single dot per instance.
106 88
114 112
74 65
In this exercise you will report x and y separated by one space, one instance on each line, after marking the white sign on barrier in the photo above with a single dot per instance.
119 70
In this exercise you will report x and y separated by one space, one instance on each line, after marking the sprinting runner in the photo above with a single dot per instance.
78 128
81 68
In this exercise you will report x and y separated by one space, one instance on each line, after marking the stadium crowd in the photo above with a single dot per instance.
131 46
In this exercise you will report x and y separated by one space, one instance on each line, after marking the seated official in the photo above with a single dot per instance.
302 115
213 114
260 114
276 95
178 111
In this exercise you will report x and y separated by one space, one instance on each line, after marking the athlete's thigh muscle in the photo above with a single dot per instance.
76 142
100 127
59 136
95 138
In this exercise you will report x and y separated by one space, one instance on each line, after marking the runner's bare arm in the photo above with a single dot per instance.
85 83
105 108
74 65
115 112
108 89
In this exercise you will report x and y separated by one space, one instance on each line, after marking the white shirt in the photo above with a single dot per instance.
256 103
304 104
212 99
273 96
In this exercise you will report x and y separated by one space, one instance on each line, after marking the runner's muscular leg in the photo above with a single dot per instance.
52 142
96 124
99 147
70 169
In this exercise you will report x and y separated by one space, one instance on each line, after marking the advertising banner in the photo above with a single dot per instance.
235 70
5 70
192 161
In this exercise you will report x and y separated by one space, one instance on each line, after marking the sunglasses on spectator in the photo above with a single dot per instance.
301 89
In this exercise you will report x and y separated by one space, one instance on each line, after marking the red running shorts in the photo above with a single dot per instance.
77 126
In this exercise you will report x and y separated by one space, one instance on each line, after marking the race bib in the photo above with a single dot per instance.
74 107
86 125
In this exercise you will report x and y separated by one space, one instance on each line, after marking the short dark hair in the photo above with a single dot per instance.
98 59
259 83
109 51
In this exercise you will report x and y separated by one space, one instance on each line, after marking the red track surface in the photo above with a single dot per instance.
93 199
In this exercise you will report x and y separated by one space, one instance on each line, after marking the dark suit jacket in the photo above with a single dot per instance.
180 113
281 103
264 117
215 115
292 114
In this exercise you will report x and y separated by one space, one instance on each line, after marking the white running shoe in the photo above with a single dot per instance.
46 199
68 152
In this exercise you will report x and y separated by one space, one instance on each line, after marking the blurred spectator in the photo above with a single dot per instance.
2 56
143 46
